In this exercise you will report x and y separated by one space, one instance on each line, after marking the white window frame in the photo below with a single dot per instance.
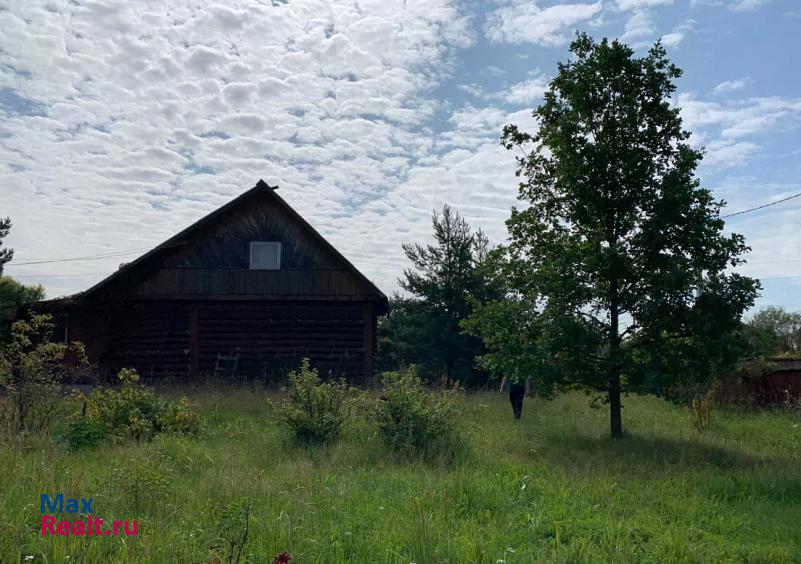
254 266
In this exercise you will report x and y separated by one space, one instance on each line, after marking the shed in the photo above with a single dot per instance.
253 281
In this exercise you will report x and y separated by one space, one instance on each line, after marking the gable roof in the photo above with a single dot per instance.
184 237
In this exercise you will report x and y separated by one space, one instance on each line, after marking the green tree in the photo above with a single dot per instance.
5 254
13 296
424 328
32 369
620 247
774 331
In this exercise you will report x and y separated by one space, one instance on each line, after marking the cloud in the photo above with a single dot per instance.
734 5
725 127
725 153
123 123
640 4
525 22
526 92
747 5
739 118
728 86
640 31
678 34
638 26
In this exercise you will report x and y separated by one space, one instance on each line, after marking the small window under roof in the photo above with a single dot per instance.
265 255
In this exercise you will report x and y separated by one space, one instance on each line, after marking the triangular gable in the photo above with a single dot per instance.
179 242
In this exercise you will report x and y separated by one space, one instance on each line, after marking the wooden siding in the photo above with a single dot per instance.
158 338
226 244
213 261
274 337
268 284
175 308
151 337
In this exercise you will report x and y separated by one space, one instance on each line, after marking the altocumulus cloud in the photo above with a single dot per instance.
116 114
122 122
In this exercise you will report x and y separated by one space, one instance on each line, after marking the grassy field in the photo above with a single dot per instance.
551 487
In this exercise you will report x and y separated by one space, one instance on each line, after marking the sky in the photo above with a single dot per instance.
123 122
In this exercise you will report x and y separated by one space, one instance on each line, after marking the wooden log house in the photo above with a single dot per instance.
252 280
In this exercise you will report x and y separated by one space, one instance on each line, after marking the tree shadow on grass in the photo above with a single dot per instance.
718 473
639 454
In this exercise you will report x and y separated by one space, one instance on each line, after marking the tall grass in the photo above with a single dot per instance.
551 487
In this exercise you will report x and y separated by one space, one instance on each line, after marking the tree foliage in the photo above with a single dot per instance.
619 246
13 296
508 325
445 279
5 254
774 331
32 369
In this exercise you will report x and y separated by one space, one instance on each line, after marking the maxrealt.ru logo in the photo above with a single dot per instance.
92 526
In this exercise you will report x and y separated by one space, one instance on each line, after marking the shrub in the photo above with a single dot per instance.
82 432
702 410
179 417
142 483
315 410
411 420
233 531
31 372
133 411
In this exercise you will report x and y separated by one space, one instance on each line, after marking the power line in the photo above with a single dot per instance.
773 261
95 257
75 275
762 206
779 277
72 259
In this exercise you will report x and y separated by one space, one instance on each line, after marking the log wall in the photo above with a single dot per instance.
160 338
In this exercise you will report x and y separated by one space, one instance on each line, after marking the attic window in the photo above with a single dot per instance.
265 255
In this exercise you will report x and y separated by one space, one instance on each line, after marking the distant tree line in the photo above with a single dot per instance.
13 294
774 332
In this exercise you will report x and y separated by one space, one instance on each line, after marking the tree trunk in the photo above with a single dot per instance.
615 415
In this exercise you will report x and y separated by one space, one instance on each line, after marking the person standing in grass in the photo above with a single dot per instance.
517 391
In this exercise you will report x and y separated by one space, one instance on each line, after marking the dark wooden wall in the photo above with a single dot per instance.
214 261
270 336
151 337
266 284
226 244
177 308
160 338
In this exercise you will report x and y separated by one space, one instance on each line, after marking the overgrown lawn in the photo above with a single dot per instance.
552 487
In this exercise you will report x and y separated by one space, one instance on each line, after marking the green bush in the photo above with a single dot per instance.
32 369
179 417
411 420
83 432
315 410
133 411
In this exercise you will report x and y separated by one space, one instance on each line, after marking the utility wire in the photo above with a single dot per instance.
762 206
94 257
71 259
779 277
76 275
